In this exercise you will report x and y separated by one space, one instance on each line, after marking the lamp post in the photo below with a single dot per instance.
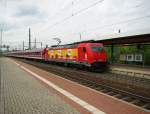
1 35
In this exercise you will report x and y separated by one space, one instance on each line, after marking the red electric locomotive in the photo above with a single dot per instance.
91 55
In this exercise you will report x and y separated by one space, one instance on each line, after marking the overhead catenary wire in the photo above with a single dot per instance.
84 9
113 24
90 6
74 14
121 22
62 8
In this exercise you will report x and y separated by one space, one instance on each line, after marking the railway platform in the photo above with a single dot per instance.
27 89
20 93
130 70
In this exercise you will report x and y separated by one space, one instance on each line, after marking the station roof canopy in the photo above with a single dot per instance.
144 38
125 38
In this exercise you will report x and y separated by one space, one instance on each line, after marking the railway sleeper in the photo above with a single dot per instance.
127 98
89 85
135 101
92 86
147 106
104 90
111 93
117 95
99 88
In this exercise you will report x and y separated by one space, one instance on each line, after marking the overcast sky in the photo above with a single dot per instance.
66 19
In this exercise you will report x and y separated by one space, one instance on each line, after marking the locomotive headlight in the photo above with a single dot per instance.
99 60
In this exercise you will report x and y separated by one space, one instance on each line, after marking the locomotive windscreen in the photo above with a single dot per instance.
97 48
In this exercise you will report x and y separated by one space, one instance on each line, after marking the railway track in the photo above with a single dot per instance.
92 80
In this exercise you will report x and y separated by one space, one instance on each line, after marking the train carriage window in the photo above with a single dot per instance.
97 48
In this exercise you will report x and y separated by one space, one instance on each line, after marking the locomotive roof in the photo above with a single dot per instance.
21 51
74 45
64 46
34 50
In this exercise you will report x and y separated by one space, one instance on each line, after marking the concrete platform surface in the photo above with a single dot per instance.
20 93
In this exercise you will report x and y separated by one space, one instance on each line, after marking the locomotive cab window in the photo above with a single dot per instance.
97 48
